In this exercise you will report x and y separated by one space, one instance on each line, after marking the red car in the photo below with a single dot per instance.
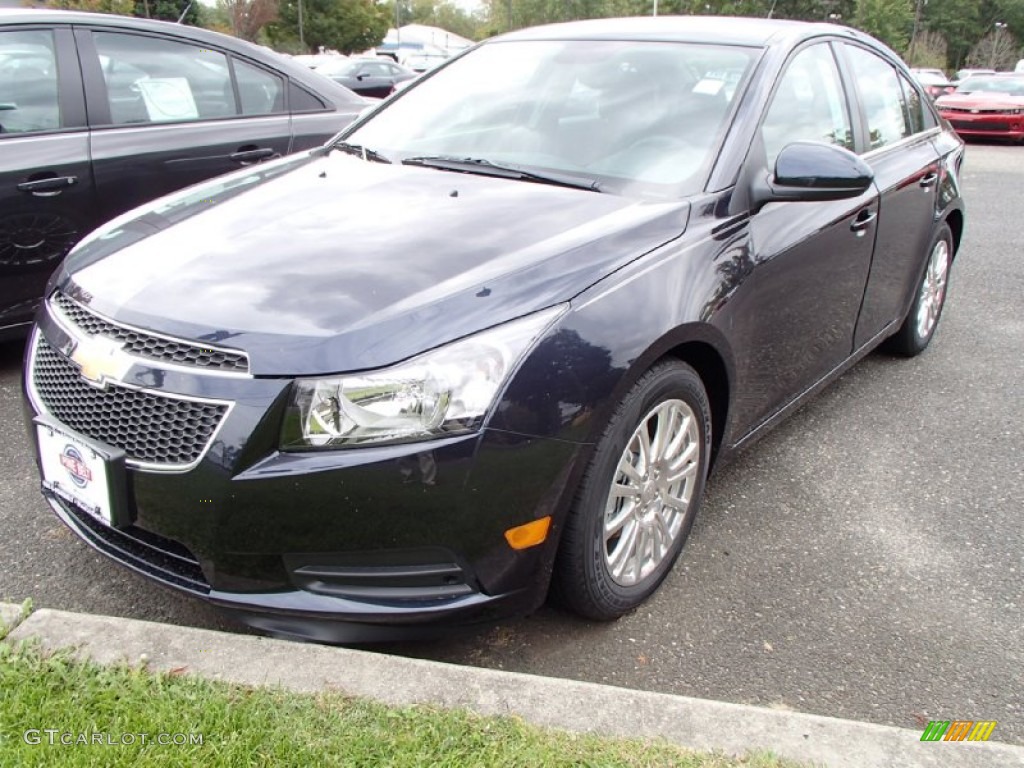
934 81
986 106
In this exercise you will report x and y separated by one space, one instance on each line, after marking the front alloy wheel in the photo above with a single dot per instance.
651 492
639 496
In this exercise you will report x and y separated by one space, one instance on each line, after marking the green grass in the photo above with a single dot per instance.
243 726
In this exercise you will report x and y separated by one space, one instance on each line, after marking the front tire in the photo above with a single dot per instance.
919 325
639 496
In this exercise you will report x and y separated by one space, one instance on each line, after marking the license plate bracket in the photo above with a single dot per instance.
83 472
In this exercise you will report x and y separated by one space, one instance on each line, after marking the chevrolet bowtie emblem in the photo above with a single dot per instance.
101 360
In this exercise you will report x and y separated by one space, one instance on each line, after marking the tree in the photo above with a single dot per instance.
123 7
888 20
928 49
167 10
348 26
996 50
958 22
248 17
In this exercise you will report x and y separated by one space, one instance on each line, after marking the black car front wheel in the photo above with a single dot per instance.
638 499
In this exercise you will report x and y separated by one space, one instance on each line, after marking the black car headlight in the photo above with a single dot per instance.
447 391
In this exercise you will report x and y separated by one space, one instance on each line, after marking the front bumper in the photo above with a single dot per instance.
348 545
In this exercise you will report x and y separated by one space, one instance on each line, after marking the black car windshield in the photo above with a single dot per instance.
1012 86
637 118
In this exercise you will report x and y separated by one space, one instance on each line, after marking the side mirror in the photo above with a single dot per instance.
807 171
362 76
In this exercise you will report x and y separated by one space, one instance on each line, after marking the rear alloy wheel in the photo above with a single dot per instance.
639 496
919 325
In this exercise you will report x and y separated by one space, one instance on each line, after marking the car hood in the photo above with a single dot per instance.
987 100
330 263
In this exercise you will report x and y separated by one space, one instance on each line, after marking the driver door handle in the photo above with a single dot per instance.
48 187
254 155
929 179
863 220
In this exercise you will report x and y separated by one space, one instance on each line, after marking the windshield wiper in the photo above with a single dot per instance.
360 151
485 167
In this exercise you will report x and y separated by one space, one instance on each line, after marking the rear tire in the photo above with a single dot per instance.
921 321
639 496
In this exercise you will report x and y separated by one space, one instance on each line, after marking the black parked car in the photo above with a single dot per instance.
496 334
100 113
375 77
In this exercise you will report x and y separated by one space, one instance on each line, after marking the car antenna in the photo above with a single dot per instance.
189 6
772 9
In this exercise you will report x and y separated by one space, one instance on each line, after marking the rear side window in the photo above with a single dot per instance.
151 80
881 95
301 100
28 82
918 114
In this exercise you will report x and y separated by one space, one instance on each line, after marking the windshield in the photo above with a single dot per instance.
638 118
1014 86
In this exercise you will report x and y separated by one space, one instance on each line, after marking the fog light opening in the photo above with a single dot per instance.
530 534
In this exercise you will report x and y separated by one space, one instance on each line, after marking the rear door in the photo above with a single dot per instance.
166 113
313 122
46 186
900 151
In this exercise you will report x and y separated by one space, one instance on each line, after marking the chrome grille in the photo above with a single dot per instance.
150 428
149 346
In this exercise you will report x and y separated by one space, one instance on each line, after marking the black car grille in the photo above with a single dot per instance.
163 559
969 111
149 346
150 428
968 125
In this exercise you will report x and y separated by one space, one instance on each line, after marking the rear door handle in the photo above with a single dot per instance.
254 155
929 179
864 218
48 187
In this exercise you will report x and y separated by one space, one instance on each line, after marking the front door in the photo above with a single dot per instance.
810 260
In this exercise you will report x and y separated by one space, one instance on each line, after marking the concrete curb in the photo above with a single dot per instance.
566 704
10 617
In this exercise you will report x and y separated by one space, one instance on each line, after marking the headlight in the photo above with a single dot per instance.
447 391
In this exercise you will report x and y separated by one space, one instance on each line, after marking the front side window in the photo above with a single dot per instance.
881 96
152 80
808 104
29 99
639 118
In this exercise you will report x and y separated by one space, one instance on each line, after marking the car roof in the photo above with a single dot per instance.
723 30
295 70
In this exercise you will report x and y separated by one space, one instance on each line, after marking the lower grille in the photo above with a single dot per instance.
979 126
150 428
162 559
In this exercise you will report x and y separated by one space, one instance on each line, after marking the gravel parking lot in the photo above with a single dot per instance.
864 561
